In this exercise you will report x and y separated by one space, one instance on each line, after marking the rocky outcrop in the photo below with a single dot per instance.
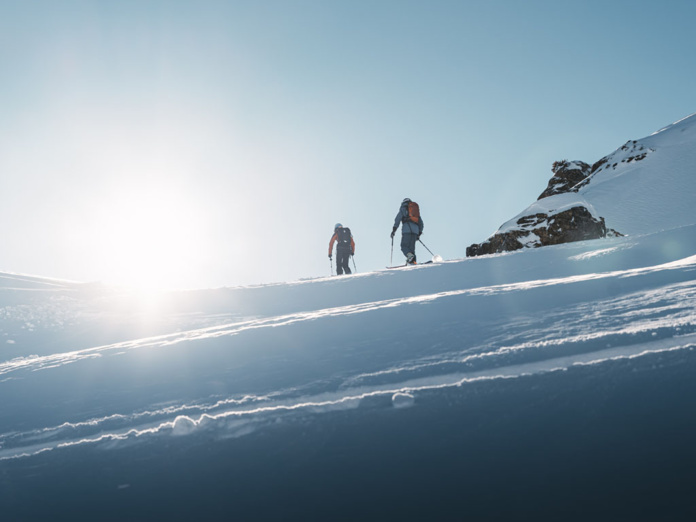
543 225
566 175
622 186
574 224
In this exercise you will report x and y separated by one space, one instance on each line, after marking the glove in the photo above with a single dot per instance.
393 232
330 256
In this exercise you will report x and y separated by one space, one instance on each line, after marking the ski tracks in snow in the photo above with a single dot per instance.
654 310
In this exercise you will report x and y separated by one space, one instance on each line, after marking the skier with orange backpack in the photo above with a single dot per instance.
344 249
411 228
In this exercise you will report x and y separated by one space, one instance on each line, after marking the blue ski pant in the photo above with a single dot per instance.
408 243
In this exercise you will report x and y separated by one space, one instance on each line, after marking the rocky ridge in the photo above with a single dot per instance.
571 220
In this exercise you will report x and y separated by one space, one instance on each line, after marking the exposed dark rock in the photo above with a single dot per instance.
532 220
495 244
574 224
598 164
566 174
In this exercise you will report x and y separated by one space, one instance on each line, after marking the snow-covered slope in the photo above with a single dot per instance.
361 397
645 186
652 194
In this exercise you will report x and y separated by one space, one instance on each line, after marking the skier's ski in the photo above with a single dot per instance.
407 265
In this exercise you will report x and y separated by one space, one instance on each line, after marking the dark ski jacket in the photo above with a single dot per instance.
334 239
409 227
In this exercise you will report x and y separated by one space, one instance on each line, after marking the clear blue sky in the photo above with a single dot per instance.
214 143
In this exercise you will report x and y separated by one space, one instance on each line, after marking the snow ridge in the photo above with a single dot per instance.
561 322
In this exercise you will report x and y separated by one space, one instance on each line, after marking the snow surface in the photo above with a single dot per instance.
546 384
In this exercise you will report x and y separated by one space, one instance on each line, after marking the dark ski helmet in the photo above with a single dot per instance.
406 200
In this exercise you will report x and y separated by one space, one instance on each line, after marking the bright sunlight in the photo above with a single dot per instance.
149 237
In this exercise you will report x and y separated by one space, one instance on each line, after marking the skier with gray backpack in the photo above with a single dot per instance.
345 248
411 228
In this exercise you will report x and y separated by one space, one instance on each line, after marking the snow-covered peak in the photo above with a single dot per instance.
649 184
644 186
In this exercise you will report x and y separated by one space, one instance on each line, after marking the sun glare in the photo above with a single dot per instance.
149 239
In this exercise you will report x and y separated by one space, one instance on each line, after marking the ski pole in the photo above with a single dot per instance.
391 258
426 247
330 266
355 267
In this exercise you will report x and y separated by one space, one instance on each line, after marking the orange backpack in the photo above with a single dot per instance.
413 212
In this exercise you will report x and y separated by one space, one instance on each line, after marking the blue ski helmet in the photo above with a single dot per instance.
337 225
